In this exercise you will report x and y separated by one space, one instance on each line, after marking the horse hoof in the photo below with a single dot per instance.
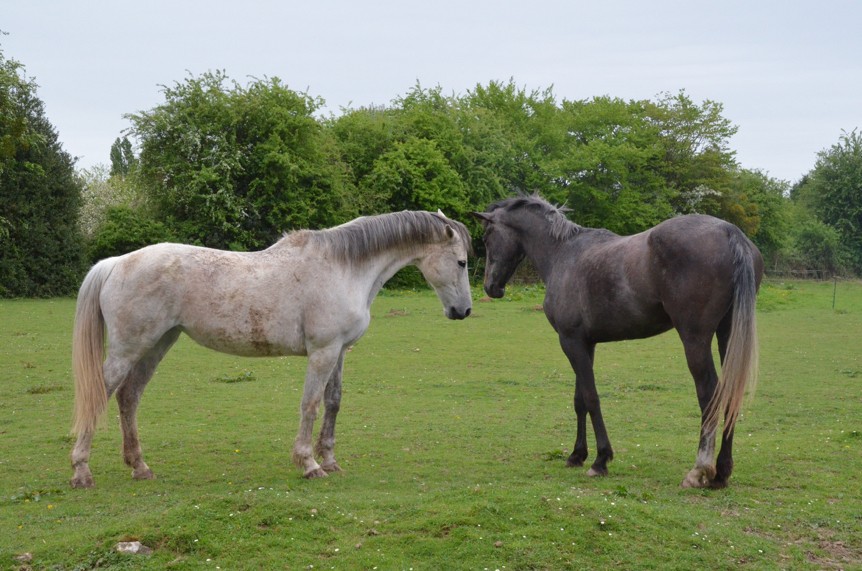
82 482
592 472
143 474
315 473
695 479
330 468
718 484
574 463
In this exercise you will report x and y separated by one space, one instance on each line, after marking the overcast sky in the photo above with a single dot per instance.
789 73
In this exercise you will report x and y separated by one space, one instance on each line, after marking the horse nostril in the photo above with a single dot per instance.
467 313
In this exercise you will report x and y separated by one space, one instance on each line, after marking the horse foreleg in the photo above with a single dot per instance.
321 364
581 451
325 447
581 355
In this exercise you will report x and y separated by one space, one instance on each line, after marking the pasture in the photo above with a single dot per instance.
453 437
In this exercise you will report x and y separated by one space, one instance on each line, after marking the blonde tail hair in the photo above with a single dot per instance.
88 351
740 367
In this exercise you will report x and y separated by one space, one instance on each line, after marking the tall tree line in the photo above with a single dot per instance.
228 165
41 246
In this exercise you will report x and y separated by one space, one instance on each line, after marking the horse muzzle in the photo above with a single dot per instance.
455 313
495 291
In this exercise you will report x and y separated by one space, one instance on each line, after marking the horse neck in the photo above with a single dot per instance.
539 247
375 271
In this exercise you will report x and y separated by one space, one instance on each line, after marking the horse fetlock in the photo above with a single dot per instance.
324 447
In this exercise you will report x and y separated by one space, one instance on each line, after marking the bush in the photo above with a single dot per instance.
817 247
125 230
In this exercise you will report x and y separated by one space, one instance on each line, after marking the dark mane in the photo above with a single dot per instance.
366 236
561 228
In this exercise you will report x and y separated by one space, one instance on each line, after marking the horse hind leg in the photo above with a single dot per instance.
724 463
698 353
128 398
116 371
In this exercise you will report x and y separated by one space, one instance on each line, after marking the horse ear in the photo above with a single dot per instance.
483 216
440 213
450 232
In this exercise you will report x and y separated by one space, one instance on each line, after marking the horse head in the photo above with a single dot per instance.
503 252
444 266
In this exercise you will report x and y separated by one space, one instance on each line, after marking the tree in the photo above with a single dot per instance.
123 230
834 191
426 150
767 213
122 157
101 191
416 176
609 169
234 167
42 253
531 132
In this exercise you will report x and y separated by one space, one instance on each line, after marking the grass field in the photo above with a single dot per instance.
453 437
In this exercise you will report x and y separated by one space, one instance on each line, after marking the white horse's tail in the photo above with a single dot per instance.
739 371
88 350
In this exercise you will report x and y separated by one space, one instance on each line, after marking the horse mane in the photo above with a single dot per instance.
362 238
560 227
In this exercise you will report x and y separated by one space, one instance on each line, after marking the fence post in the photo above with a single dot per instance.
834 290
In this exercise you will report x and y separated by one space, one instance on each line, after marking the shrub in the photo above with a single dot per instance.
124 230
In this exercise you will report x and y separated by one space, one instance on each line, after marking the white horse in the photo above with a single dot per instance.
308 294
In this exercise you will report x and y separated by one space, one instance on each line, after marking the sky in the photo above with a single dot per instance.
788 73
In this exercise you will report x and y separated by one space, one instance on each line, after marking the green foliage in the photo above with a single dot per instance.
609 167
834 190
123 158
817 246
427 151
42 247
415 175
101 191
234 167
124 230
767 219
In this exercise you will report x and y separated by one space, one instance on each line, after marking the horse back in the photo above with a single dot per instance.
603 290
610 287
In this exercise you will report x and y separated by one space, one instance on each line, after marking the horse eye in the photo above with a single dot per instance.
462 263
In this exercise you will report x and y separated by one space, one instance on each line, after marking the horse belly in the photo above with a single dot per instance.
249 339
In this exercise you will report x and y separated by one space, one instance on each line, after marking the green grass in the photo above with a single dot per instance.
453 437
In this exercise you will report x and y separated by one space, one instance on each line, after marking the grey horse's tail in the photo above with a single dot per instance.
88 350
739 370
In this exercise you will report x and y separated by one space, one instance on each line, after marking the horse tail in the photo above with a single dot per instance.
88 350
740 366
